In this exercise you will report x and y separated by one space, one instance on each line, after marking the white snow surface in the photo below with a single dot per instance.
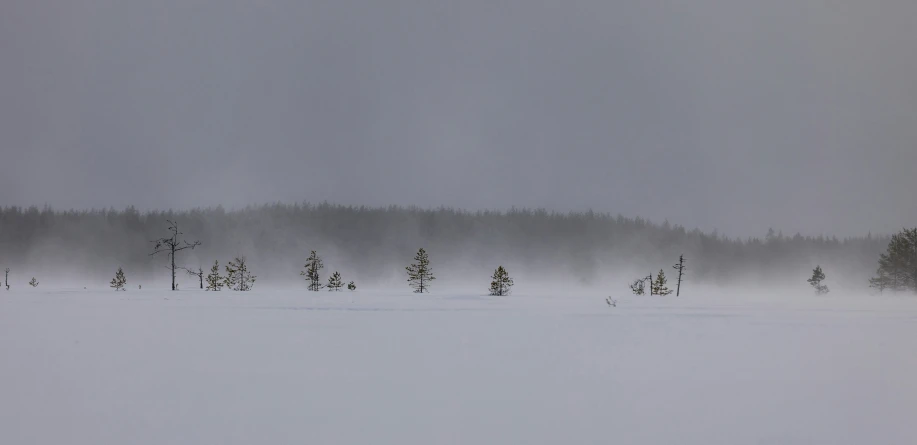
381 367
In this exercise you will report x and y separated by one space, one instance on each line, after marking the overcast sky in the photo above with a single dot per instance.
736 115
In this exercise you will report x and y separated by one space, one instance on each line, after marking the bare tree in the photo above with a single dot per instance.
171 246
199 273
7 278
680 267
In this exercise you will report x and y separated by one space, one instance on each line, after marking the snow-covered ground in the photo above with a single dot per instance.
372 367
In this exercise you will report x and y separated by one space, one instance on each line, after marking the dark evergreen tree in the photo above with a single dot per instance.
659 286
351 286
334 282
313 266
500 283
238 277
214 280
119 281
817 277
172 245
898 265
420 274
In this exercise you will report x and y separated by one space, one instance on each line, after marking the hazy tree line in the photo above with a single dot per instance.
374 243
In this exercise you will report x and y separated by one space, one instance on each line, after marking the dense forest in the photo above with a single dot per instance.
373 245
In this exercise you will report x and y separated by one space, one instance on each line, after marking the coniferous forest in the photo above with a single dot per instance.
375 243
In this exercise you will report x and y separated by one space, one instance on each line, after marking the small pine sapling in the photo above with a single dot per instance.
817 277
238 277
351 286
34 282
117 283
500 283
419 273
659 286
214 280
334 282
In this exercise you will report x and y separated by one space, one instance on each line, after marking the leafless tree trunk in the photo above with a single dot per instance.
199 273
680 267
171 245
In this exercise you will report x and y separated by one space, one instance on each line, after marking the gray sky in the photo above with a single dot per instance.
732 114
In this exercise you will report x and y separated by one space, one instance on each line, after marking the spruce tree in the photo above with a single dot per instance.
119 281
334 282
313 265
419 273
817 277
214 280
238 277
659 286
500 283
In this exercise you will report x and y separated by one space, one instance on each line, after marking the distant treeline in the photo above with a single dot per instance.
377 243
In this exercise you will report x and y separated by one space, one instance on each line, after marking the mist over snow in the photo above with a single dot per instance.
575 149
373 245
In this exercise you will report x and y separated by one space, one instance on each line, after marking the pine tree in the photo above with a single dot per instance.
238 277
419 273
334 282
500 283
119 281
898 265
637 287
313 265
34 282
214 280
817 277
351 286
659 286
881 281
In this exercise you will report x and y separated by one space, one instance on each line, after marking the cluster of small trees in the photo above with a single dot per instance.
898 265
312 272
659 285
